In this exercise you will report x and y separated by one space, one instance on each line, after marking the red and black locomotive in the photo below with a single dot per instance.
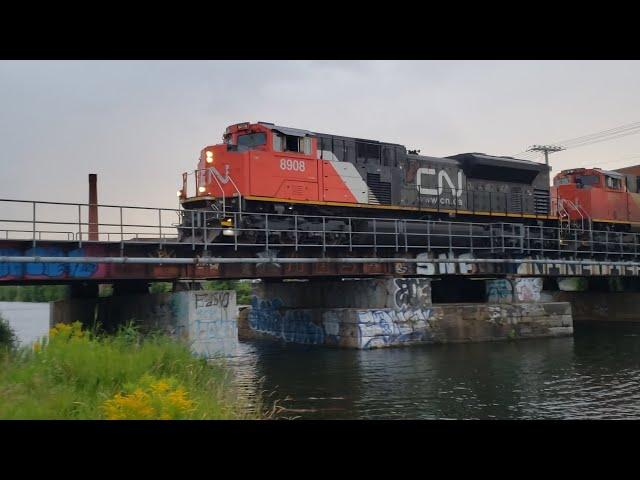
265 168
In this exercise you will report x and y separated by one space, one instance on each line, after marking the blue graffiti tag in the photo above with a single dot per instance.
294 326
45 269
11 269
81 270
40 269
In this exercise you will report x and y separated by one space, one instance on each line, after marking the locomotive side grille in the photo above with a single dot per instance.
516 199
379 192
541 201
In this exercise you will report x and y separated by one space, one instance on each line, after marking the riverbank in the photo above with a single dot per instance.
75 374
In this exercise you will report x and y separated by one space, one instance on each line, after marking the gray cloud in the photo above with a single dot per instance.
139 124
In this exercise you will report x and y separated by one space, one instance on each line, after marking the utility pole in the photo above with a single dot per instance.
546 149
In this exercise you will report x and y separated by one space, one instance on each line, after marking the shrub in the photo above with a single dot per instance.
8 339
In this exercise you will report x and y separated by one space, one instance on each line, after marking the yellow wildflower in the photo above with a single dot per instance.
152 399
160 386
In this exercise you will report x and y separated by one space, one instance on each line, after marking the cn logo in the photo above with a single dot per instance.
443 177
212 171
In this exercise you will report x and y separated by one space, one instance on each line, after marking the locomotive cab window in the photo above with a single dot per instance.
614 183
251 140
587 180
291 143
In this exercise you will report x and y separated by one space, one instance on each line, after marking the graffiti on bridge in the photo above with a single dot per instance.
213 327
39 270
499 291
528 289
503 290
547 266
297 326
212 299
412 292
379 328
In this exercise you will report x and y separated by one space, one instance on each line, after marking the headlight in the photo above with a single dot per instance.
179 193
201 189
209 157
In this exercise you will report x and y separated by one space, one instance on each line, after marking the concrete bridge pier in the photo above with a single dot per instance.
205 320
600 300
79 307
395 311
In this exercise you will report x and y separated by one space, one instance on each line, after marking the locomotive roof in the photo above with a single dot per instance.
287 130
301 133
482 159
468 159
611 173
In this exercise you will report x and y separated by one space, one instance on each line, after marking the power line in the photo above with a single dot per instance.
601 134
584 140
623 159
546 149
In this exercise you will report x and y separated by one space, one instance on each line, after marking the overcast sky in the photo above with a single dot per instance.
140 124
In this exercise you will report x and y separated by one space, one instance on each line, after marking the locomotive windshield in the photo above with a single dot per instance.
251 140
588 179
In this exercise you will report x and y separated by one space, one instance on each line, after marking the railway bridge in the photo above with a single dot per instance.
380 283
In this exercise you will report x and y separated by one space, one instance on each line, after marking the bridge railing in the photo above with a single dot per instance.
40 222
62 221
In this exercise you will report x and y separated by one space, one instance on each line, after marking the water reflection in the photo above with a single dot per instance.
593 375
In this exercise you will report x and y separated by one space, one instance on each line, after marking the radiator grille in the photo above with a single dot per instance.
541 201
379 192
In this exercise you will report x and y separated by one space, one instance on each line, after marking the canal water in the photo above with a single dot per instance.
594 375
29 320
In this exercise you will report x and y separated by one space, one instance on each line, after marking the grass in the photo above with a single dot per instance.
80 375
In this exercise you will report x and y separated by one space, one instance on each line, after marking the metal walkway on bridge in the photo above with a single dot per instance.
67 223
33 229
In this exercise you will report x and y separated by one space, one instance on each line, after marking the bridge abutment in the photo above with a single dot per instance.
205 320
600 300
396 311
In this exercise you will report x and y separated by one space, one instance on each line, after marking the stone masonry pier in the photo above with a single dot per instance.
383 312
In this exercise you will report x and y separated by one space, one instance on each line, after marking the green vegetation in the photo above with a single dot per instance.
33 293
8 339
242 288
81 375
161 287
52 293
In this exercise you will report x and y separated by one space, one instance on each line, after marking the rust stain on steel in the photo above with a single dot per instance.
349 268
323 268
296 269
374 268
166 271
